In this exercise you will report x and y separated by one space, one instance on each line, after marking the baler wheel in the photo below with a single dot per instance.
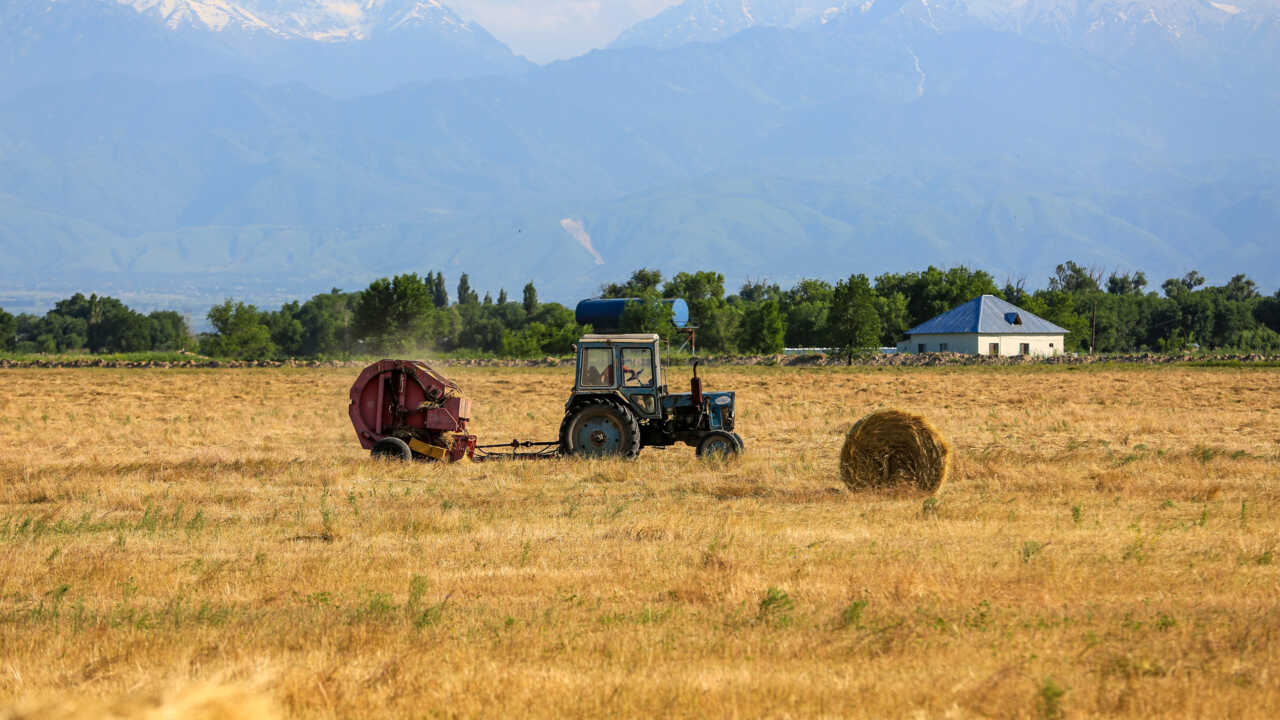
391 448
718 444
599 428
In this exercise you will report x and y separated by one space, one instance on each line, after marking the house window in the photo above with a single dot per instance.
920 348
993 349
1024 349
942 347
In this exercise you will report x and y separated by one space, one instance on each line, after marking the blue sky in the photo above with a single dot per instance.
547 30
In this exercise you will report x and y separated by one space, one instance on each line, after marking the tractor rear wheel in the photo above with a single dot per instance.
718 444
391 448
599 428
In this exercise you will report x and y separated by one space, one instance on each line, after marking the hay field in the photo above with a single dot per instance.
214 542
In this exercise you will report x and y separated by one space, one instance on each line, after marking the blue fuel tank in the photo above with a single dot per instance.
604 314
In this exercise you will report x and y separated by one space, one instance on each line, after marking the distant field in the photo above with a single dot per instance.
1108 544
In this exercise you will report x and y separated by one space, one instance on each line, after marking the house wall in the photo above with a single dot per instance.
1041 345
975 344
955 342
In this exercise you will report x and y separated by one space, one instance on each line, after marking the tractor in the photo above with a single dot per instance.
620 404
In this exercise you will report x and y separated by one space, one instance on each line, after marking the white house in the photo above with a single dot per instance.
986 325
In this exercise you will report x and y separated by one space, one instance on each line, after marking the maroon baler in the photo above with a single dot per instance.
405 409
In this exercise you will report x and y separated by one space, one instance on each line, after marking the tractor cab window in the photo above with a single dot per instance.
597 367
637 367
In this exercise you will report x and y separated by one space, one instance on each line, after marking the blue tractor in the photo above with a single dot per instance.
620 402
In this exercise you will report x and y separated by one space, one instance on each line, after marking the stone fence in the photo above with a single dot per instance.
817 360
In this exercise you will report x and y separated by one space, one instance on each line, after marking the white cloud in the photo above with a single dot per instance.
547 30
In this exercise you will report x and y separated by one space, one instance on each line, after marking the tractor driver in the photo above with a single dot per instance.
598 369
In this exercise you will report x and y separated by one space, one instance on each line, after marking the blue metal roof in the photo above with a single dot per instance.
987 314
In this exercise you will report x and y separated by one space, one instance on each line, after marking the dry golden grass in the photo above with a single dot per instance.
215 543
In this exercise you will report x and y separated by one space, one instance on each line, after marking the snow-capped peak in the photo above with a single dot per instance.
322 20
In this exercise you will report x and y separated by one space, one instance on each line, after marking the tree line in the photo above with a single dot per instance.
1114 312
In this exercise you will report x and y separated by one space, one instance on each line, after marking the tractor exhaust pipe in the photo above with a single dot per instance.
695 386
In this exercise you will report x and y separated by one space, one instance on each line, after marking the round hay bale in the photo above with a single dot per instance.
890 448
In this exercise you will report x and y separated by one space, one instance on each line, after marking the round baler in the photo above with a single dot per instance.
405 409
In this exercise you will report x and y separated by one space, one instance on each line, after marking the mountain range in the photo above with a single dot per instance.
1112 28
341 47
811 142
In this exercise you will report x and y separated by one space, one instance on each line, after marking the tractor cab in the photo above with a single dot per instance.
624 366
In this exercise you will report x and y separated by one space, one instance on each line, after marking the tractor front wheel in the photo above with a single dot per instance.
718 444
599 428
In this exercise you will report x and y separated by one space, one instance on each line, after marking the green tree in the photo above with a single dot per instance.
52 333
1015 292
240 331
169 330
709 312
643 282
530 298
327 323
762 329
1232 319
1240 289
1072 278
536 339
933 291
396 314
1174 287
963 284
759 291
1059 308
119 329
894 318
807 307
562 327
647 314
855 318
502 296
1124 320
1258 339
466 296
287 331
1267 312
1120 284
481 332
699 289
526 342
8 331
439 293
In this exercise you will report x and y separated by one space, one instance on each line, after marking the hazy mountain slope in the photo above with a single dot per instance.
371 47
819 151
715 20
1204 30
